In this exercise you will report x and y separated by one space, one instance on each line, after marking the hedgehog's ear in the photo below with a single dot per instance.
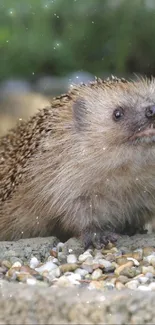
80 113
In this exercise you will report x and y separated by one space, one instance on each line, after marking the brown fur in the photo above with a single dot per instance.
71 168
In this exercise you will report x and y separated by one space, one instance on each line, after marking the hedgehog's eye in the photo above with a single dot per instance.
118 114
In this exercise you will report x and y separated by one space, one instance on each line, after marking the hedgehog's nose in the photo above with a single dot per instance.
150 112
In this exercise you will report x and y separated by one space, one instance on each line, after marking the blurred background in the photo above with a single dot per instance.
47 45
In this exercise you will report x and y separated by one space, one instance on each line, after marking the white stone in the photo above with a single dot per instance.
16 264
63 281
60 246
82 272
31 281
104 262
71 258
34 262
48 266
55 273
96 274
143 279
148 258
146 269
74 278
136 263
84 257
132 284
149 275
55 260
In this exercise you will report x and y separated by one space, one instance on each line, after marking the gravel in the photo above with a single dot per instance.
111 268
49 264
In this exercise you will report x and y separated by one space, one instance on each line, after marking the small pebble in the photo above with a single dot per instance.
148 251
71 259
121 260
96 274
22 277
82 272
146 269
6 264
109 286
53 252
104 263
54 273
114 250
134 255
14 259
132 284
121 269
148 258
129 272
95 285
110 257
143 280
12 274
83 257
48 266
34 262
139 250
149 275
63 281
16 264
55 261
87 267
31 281
136 263
109 269
60 246
138 255
88 276
98 255
119 285
89 260
62 257
27 269
137 271
68 267
115 265
68 280
123 279
74 276
110 246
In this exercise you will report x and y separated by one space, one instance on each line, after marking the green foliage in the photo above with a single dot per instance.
59 36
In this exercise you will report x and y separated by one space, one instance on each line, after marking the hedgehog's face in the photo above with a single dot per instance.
121 114
139 126
137 113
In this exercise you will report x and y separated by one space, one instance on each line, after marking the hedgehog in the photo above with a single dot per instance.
82 167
